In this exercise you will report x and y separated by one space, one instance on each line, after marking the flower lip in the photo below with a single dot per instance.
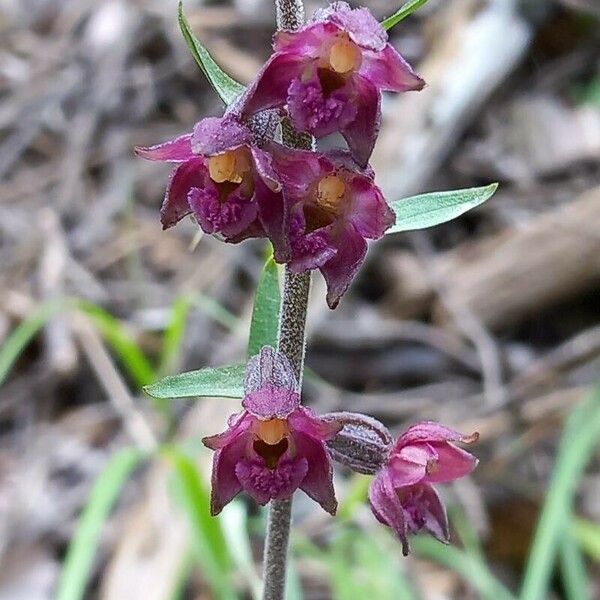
271 453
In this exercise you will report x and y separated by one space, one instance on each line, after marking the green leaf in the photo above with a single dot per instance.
404 11
223 382
265 316
227 88
82 547
580 436
427 210
209 542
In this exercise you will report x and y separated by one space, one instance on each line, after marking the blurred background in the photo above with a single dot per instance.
489 323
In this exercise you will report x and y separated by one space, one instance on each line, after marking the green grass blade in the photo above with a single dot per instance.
265 316
222 382
435 208
22 335
404 11
118 338
227 88
580 436
82 547
207 536
173 335
473 571
572 566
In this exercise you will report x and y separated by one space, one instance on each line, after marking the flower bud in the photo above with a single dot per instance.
363 443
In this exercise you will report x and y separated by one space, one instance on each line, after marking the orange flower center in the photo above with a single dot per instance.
272 431
330 193
344 56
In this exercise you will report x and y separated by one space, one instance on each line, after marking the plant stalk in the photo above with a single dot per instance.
292 324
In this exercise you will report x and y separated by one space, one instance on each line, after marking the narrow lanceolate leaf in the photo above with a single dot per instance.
404 11
265 316
435 208
224 382
227 88
83 546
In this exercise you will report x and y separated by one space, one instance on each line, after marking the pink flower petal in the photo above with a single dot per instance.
177 150
340 270
387 70
186 176
318 482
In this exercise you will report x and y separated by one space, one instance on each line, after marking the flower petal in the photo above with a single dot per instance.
271 402
305 420
359 23
273 217
387 508
434 512
431 431
318 482
307 41
361 132
388 71
340 270
230 218
186 176
265 484
225 484
452 463
270 87
177 150
369 212
269 367
218 134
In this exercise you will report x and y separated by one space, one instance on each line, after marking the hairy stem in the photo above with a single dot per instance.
290 16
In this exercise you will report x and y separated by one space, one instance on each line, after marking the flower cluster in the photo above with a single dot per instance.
276 446
318 209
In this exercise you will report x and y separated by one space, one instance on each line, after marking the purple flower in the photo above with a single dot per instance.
333 208
275 445
330 74
401 495
225 181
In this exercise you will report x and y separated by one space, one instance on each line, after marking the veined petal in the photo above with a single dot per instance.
452 463
305 420
340 270
431 431
388 71
186 176
318 482
224 482
362 131
218 134
369 212
359 23
307 41
270 88
269 367
434 512
387 508
177 150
